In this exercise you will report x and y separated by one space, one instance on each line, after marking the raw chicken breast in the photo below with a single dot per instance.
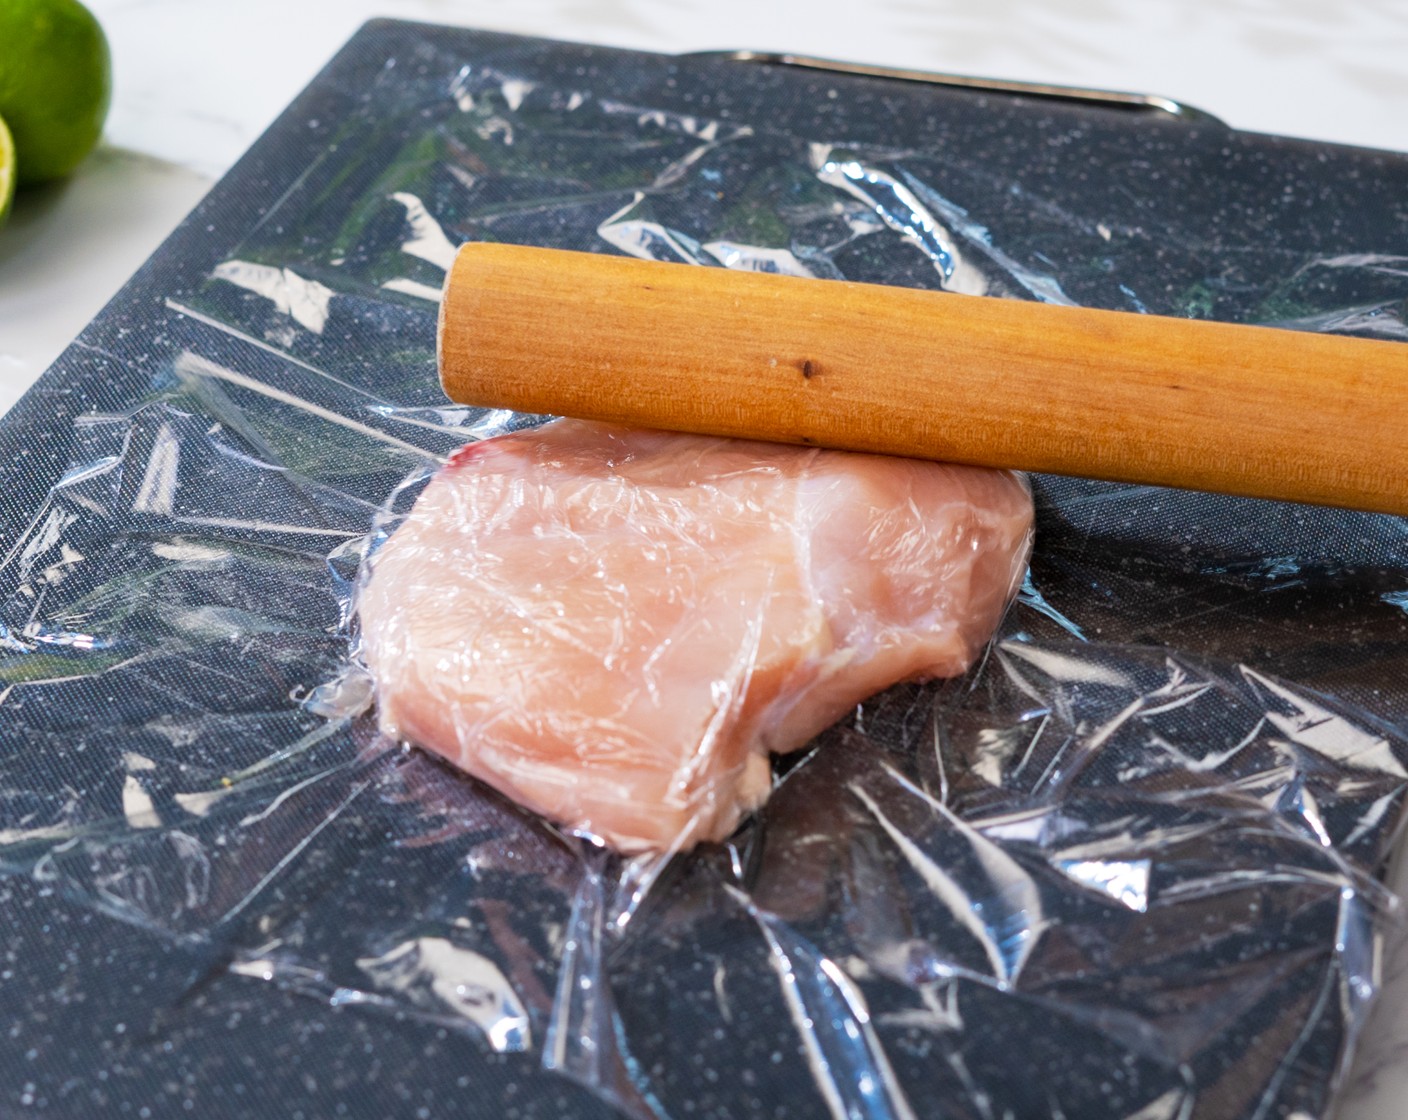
615 627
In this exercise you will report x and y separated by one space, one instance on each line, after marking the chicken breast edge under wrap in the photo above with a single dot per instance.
616 627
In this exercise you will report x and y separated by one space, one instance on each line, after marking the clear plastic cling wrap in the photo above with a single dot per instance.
1123 860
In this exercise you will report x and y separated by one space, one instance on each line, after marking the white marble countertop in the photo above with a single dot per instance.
198 80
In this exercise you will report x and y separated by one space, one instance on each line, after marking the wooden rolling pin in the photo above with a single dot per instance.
1099 394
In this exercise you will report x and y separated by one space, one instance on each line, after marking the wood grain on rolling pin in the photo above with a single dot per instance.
1099 394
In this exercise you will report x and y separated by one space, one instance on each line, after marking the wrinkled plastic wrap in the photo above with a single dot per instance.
1127 865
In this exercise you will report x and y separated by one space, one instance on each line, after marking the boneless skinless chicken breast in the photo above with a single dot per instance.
616 627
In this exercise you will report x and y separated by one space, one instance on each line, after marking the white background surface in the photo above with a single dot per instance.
198 80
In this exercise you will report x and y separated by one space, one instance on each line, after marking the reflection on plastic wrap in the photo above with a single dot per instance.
1124 867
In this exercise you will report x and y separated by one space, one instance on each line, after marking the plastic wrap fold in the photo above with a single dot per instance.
1127 865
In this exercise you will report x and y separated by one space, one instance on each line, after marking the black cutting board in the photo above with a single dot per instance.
186 489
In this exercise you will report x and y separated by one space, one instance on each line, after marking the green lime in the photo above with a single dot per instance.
7 171
55 83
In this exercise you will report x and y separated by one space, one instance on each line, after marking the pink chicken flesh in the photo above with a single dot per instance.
615 627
